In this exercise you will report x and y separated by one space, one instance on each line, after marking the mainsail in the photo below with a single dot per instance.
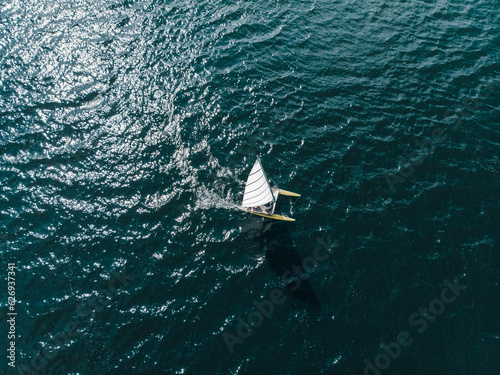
257 190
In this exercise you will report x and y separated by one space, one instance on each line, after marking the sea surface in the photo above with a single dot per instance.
127 132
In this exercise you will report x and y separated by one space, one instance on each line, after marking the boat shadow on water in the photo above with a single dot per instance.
284 259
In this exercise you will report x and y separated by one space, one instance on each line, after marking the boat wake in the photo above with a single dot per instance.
206 199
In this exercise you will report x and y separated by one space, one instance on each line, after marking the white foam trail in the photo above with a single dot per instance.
206 199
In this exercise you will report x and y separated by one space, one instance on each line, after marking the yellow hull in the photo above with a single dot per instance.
273 216
289 193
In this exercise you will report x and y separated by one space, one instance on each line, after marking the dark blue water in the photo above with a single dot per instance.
128 128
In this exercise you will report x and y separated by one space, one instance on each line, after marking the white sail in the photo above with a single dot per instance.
257 190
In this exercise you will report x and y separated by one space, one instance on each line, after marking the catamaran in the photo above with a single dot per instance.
259 198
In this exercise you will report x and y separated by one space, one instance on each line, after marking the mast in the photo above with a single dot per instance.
267 180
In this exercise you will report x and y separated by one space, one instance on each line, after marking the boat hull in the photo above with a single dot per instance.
273 216
289 193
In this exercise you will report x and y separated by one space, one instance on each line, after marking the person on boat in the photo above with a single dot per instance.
267 208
